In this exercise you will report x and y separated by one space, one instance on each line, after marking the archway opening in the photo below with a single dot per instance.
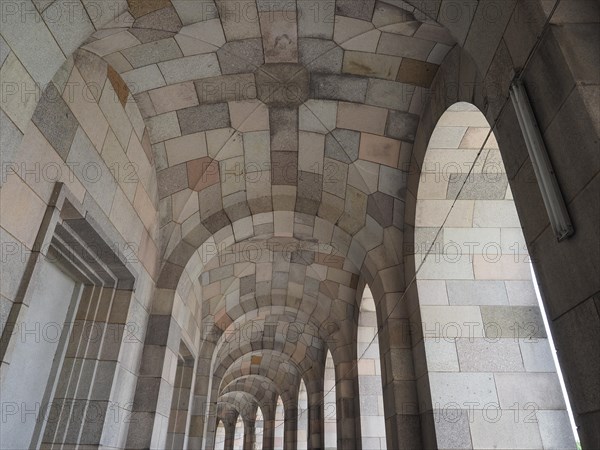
220 436
302 435
279 424
238 440
372 417
329 400
487 358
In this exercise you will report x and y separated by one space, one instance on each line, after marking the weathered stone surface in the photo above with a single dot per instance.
165 19
310 187
402 126
477 186
360 10
342 145
241 56
389 94
282 84
284 168
152 52
172 180
283 129
338 87
280 36
380 207
418 73
55 120
226 88
371 65
203 117
320 55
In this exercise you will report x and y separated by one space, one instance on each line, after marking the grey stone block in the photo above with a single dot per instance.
362 10
283 124
477 186
480 292
402 126
482 355
342 145
282 84
389 94
392 182
310 188
171 180
380 207
284 170
542 389
338 87
241 56
203 117
216 222
247 284
165 19
320 55
145 35
452 429
513 322
4 50
555 429
55 121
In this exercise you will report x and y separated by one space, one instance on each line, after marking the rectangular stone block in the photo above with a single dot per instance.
203 117
541 389
338 87
389 94
462 389
190 68
482 355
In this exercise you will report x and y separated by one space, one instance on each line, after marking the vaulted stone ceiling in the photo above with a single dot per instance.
281 133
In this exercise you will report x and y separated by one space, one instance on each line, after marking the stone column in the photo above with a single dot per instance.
249 434
269 427
291 427
316 416
348 405
229 434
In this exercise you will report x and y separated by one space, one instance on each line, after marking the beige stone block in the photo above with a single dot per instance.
369 119
251 115
364 176
379 149
47 167
22 210
144 207
318 116
257 152
208 32
112 43
115 114
463 119
311 150
432 213
19 92
475 138
240 25
87 113
366 42
224 143
186 148
433 188
371 65
174 97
